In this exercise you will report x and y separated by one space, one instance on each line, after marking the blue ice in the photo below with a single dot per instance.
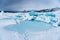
50 14
32 13
59 24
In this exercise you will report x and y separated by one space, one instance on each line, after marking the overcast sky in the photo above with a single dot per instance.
28 4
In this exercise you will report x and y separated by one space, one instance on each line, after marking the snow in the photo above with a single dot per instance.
51 34
8 35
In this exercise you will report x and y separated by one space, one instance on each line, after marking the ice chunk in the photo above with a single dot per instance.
18 16
50 14
43 18
32 13
53 19
59 24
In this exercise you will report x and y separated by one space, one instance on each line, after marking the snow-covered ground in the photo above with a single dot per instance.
52 34
8 35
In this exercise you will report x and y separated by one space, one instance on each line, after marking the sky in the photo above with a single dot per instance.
17 5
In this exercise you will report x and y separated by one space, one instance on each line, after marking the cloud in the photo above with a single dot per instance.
29 4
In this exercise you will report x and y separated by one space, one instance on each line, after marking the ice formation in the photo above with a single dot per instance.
51 18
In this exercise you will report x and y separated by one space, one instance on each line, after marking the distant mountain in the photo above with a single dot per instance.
26 11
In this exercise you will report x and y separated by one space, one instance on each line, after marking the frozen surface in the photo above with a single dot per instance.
53 34
8 35
41 21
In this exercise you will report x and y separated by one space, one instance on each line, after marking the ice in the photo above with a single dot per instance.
50 14
59 24
32 13
34 26
50 18
53 20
